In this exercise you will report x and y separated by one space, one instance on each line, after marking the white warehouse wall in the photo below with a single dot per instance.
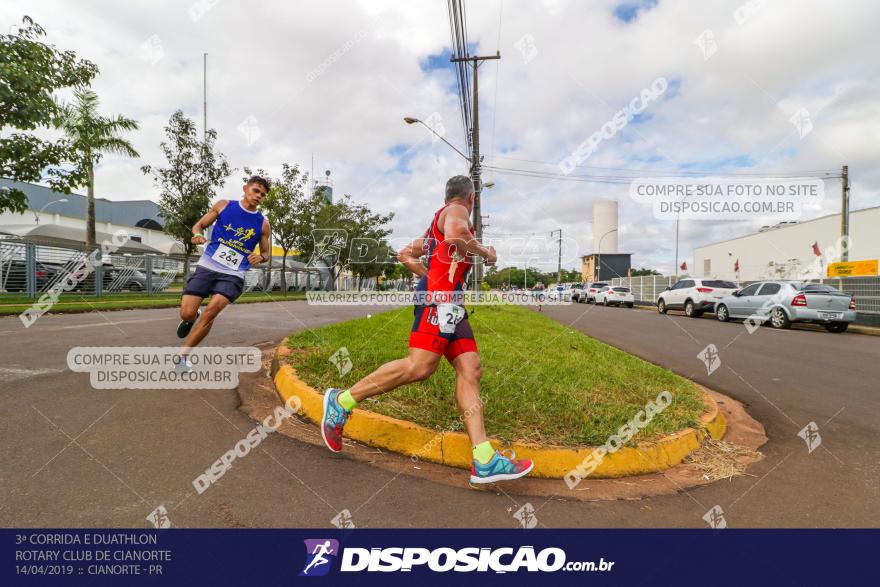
784 251
153 238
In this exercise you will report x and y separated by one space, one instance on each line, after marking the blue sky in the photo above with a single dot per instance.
629 11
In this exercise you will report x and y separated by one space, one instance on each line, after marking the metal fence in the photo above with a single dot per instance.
648 288
30 269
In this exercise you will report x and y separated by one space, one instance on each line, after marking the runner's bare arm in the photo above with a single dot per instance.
456 227
410 254
263 255
206 221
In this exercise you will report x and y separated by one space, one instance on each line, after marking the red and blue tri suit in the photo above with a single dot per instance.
447 274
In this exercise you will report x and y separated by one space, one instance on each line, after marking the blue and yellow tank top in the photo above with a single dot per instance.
235 235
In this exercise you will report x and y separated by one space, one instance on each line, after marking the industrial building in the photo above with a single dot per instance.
791 250
605 262
54 218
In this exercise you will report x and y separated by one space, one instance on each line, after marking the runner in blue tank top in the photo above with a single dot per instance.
238 229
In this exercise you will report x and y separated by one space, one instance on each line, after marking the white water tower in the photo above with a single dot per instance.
604 226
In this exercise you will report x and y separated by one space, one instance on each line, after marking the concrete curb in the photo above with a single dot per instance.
454 449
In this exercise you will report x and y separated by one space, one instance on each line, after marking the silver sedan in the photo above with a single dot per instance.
782 302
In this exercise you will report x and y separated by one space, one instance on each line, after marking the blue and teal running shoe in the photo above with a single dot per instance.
500 468
335 417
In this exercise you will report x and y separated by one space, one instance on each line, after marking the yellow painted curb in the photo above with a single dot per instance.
454 448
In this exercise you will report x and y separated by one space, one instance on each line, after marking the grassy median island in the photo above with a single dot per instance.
542 382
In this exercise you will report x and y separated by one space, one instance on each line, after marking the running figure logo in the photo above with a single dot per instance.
241 233
319 556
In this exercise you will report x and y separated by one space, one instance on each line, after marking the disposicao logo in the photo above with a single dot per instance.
320 554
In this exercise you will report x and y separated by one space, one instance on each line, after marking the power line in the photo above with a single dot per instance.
497 74
649 172
624 179
458 32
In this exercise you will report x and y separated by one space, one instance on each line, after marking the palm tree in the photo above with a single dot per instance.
92 136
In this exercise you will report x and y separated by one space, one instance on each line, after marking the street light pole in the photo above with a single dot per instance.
205 97
477 219
37 214
411 120
599 254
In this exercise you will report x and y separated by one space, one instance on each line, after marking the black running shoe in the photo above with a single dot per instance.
184 327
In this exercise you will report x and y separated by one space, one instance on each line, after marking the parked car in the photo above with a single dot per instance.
559 293
137 281
782 302
592 289
615 295
13 275
85 278
694 296
577 291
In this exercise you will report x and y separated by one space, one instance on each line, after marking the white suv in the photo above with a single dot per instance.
694 296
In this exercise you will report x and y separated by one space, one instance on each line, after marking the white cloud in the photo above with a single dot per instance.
788 55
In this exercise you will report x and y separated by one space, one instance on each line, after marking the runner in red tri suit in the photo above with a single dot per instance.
440 328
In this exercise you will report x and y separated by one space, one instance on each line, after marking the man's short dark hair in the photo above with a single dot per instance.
260 180
459 187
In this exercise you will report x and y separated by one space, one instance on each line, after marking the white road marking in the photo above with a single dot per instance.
9 374
115 323
95 324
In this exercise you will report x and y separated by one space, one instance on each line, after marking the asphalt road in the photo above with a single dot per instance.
76 456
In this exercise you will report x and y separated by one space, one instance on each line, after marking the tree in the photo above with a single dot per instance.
372 260
327 233
368 251
93 135
330 230
191 180
516 276
30 73
570 275
284 205
640 272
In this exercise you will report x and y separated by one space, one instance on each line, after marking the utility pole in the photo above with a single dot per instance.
844 214
475 159
559 266
205 97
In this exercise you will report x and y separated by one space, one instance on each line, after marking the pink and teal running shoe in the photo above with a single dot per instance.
500 468
335 417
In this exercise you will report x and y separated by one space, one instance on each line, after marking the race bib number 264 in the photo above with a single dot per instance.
228 257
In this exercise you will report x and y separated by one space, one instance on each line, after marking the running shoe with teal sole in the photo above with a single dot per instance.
335 417
500 468
183 365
